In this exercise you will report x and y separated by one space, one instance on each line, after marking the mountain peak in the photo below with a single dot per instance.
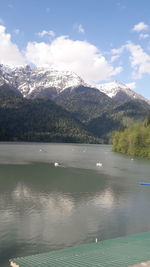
113 89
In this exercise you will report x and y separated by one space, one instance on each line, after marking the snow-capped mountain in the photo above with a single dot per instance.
47 82
29 81
119 91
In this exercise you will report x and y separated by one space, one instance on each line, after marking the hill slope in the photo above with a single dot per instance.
84 102
38 120
118 117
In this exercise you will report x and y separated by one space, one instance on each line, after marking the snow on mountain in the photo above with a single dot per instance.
114 88
32 81
27 80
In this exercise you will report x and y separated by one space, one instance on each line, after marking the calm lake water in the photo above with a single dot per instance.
43 208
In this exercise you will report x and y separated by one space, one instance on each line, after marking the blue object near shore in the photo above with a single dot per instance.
142 183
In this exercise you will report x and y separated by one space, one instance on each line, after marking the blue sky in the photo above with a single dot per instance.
101 40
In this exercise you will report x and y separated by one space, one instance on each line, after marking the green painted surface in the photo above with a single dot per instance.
119 252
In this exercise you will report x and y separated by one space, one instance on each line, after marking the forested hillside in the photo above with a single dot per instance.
38 120
84 102
134 140
81 114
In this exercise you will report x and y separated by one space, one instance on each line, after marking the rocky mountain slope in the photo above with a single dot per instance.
120 92
47 82
31 82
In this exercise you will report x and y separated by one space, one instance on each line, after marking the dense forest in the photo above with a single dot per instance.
100 114
81 115
134 140
38 120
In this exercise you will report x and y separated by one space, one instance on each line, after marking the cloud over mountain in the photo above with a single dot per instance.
80 57
61 53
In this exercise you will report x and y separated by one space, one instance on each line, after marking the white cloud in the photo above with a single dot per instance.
131 85
44 33
144 35
139 59
9 52
80 57
141 26
81 29
16 31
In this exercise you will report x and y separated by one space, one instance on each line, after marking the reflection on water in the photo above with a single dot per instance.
106 199
44 208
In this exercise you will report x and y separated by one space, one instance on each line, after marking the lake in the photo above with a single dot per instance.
44 208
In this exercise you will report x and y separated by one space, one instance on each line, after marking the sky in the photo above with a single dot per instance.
100 40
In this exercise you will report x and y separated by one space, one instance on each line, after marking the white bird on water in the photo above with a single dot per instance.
56 164
99 164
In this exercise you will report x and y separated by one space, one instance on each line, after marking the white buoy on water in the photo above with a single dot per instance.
96 240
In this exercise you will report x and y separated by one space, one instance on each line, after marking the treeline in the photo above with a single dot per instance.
134 140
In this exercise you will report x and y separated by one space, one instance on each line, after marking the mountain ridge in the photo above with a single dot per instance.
32 82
